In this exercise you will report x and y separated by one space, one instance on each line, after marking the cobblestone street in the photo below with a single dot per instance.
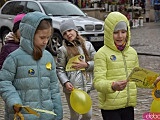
145 39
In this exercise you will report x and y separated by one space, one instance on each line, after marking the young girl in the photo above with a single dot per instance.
75 45
28 76
11 39
113 64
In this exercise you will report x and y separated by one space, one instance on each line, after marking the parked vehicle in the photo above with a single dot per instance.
89 27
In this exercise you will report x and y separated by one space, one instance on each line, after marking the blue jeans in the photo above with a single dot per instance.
157 15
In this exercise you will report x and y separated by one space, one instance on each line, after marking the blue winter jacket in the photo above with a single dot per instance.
28 82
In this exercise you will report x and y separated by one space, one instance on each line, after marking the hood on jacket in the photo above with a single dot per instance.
28 28
110 23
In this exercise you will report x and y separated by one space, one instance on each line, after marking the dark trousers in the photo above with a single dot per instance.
119 114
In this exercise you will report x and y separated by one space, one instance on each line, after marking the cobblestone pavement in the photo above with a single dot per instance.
145 40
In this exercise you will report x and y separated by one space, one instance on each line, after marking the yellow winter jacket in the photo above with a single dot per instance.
112 65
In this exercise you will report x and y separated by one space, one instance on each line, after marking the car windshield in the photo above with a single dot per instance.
61 9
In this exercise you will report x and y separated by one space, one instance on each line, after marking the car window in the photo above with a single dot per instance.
61 9
13 8
32 6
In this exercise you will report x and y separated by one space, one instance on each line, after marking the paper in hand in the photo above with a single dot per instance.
143 77
74 59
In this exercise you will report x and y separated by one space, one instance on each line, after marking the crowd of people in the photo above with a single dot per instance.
30 76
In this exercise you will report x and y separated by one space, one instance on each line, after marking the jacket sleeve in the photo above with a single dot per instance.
3 54
101 84
61 65
55 93
7 90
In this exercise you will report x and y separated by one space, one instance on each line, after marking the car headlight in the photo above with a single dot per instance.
80 28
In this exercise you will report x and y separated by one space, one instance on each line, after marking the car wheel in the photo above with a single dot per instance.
54 43
4 33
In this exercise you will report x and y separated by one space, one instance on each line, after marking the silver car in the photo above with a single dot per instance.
89 27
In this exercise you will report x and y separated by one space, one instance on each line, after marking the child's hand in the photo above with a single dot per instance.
156 81
69 86
79 65
119 85
16 108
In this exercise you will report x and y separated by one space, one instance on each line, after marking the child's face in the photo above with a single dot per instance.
18 34
42 37
70 35
120 37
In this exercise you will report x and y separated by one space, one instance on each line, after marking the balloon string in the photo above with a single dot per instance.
116 96
119 91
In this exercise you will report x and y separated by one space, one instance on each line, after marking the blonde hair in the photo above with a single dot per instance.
73 50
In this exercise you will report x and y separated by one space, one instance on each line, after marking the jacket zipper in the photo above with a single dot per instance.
39 82
125 64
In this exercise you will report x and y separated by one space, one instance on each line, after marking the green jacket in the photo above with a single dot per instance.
114 65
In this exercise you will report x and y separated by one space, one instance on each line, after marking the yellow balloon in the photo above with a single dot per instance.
155 106
80 101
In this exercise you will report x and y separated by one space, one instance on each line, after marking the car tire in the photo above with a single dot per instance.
54 43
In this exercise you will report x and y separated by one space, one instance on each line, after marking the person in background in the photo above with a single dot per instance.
142 4
28 76
12 39
113 64
156 6
74 45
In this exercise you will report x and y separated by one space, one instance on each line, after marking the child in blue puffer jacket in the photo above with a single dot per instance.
28 76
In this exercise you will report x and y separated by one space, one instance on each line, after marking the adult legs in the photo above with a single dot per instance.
156 15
